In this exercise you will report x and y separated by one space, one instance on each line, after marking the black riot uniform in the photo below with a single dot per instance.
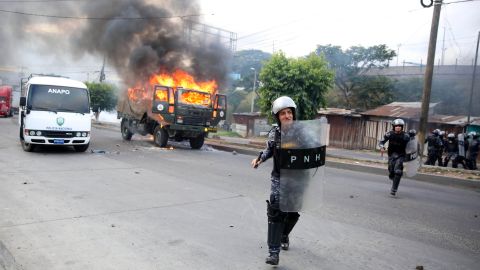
472 151
397 143
451 148
280 223
435 145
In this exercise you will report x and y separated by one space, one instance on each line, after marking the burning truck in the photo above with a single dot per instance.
171 106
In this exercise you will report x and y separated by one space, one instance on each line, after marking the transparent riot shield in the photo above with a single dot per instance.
411 161
302 160
461 145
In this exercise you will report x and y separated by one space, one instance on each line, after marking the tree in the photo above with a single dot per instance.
306 80
372 92
351 67
102 97
243 62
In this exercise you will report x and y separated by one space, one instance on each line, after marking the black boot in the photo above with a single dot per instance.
290 221
275 230
273 258
285 242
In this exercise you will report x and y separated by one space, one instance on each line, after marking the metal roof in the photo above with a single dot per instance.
406 110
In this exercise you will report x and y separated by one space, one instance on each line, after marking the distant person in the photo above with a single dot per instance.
473 145
441 149
434 147
280 223
451 149
397 140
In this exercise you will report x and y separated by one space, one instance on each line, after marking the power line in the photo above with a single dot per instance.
100 18
39 1
461 1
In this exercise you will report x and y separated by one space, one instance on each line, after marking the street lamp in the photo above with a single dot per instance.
254 84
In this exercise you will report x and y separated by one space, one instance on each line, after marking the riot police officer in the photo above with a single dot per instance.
280 223
441 149
434 146
397 140
472 150
451 147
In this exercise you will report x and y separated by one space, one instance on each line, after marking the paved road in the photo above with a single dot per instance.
137 206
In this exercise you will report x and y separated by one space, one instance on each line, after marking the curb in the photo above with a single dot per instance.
429 178
434 179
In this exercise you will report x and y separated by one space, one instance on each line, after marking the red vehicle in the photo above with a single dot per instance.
6 101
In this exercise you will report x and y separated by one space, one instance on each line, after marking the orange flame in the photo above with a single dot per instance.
179 78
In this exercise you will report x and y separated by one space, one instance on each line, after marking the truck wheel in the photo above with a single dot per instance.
126 134
160 136
197 142
27 147
81 148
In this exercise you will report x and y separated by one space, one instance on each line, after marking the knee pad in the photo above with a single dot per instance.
398 172
273 212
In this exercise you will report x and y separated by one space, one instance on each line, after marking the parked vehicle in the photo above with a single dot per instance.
6 95
54 111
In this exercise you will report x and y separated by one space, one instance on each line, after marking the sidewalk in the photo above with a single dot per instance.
357 160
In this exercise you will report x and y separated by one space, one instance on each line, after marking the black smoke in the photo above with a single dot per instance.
140 48
137 37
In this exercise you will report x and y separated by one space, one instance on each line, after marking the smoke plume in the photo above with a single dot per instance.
137 48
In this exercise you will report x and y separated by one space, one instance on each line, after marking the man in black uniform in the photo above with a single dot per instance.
472 150
280 223
451 147
434 146
397 142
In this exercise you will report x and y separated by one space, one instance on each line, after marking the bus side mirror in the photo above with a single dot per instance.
23 101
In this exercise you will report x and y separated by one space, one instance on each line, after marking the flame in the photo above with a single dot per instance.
178 78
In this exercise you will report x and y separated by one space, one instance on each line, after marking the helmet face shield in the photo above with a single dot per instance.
398 122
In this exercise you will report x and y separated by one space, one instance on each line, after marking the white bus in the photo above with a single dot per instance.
54 111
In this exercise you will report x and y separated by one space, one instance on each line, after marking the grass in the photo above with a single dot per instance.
227 133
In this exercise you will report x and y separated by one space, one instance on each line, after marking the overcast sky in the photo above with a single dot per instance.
296 27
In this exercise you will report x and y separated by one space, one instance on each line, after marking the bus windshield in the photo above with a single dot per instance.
58 99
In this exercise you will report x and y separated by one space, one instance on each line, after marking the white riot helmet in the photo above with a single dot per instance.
283 103
398 122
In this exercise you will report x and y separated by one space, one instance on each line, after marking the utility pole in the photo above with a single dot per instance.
443 47
102 72
254 85
427 87
398 52
473 82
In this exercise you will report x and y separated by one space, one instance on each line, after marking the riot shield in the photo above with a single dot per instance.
461 145
302 160
411 161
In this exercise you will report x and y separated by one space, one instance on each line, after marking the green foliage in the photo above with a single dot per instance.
306 80
102 96
243 62
350 68
373 91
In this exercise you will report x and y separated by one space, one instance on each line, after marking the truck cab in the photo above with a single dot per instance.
6 93
54 111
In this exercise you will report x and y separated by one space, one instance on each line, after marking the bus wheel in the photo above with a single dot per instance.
27 147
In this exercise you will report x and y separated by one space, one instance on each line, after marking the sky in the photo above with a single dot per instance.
40 44
296 27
